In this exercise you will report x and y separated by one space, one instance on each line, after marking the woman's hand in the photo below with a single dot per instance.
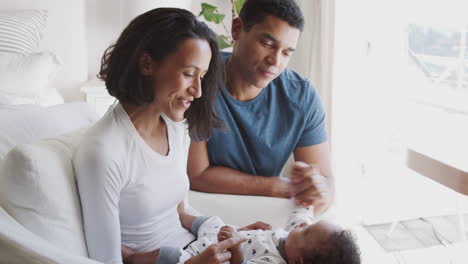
217 253
131 257
126 254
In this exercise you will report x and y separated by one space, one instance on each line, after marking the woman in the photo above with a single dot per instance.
131 165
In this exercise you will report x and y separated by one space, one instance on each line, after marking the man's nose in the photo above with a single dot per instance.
274 58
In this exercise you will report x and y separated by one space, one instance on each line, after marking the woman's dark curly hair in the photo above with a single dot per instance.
158 33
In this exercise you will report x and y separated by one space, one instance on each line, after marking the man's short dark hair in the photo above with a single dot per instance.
254 12
339 248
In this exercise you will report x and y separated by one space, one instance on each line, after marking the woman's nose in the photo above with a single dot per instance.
195 90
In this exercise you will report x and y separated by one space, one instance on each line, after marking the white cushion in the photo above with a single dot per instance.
21 30
50 97
27 76
38 189
27 123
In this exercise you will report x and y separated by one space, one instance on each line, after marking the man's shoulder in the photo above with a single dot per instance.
225 55
296 87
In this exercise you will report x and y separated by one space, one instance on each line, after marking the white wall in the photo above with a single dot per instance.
132 8
65 35
104 23
98 29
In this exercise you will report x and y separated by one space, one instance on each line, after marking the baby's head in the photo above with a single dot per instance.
319 243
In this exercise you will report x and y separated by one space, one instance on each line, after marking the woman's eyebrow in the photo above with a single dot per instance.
196 68
192 66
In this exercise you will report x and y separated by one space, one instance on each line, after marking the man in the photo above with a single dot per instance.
269 113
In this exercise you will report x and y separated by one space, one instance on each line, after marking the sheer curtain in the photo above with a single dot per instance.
314 55
313 58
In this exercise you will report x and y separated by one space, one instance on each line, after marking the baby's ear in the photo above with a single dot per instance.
303 224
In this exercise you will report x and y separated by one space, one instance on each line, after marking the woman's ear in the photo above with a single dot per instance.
146 64
236 28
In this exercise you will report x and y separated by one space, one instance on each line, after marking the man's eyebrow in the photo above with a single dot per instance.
270 37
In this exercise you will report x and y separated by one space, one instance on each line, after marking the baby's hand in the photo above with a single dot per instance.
227 232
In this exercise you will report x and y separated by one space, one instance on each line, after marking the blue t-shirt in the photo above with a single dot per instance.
261 134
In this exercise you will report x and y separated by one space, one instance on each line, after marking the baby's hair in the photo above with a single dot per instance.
339 248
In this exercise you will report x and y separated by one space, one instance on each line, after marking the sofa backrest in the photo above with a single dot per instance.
20 124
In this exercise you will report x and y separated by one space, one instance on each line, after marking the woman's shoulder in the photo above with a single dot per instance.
104 139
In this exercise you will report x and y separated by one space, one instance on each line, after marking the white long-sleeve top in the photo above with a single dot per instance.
129 193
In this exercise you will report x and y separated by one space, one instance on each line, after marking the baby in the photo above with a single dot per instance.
299 242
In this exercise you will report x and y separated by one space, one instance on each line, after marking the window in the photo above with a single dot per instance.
440 53
391 57
438 58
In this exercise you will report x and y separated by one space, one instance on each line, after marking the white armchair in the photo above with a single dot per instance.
40 213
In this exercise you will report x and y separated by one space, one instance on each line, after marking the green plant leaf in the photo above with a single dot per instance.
223 42
210 13
239 4
208 8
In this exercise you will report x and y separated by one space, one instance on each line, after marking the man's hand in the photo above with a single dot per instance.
281 188
227 232
309 187
256 226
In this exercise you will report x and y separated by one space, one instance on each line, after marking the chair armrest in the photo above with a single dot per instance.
18 245
242 210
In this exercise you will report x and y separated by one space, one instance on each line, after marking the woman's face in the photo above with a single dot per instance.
177 78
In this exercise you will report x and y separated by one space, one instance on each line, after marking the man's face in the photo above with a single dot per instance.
263 52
